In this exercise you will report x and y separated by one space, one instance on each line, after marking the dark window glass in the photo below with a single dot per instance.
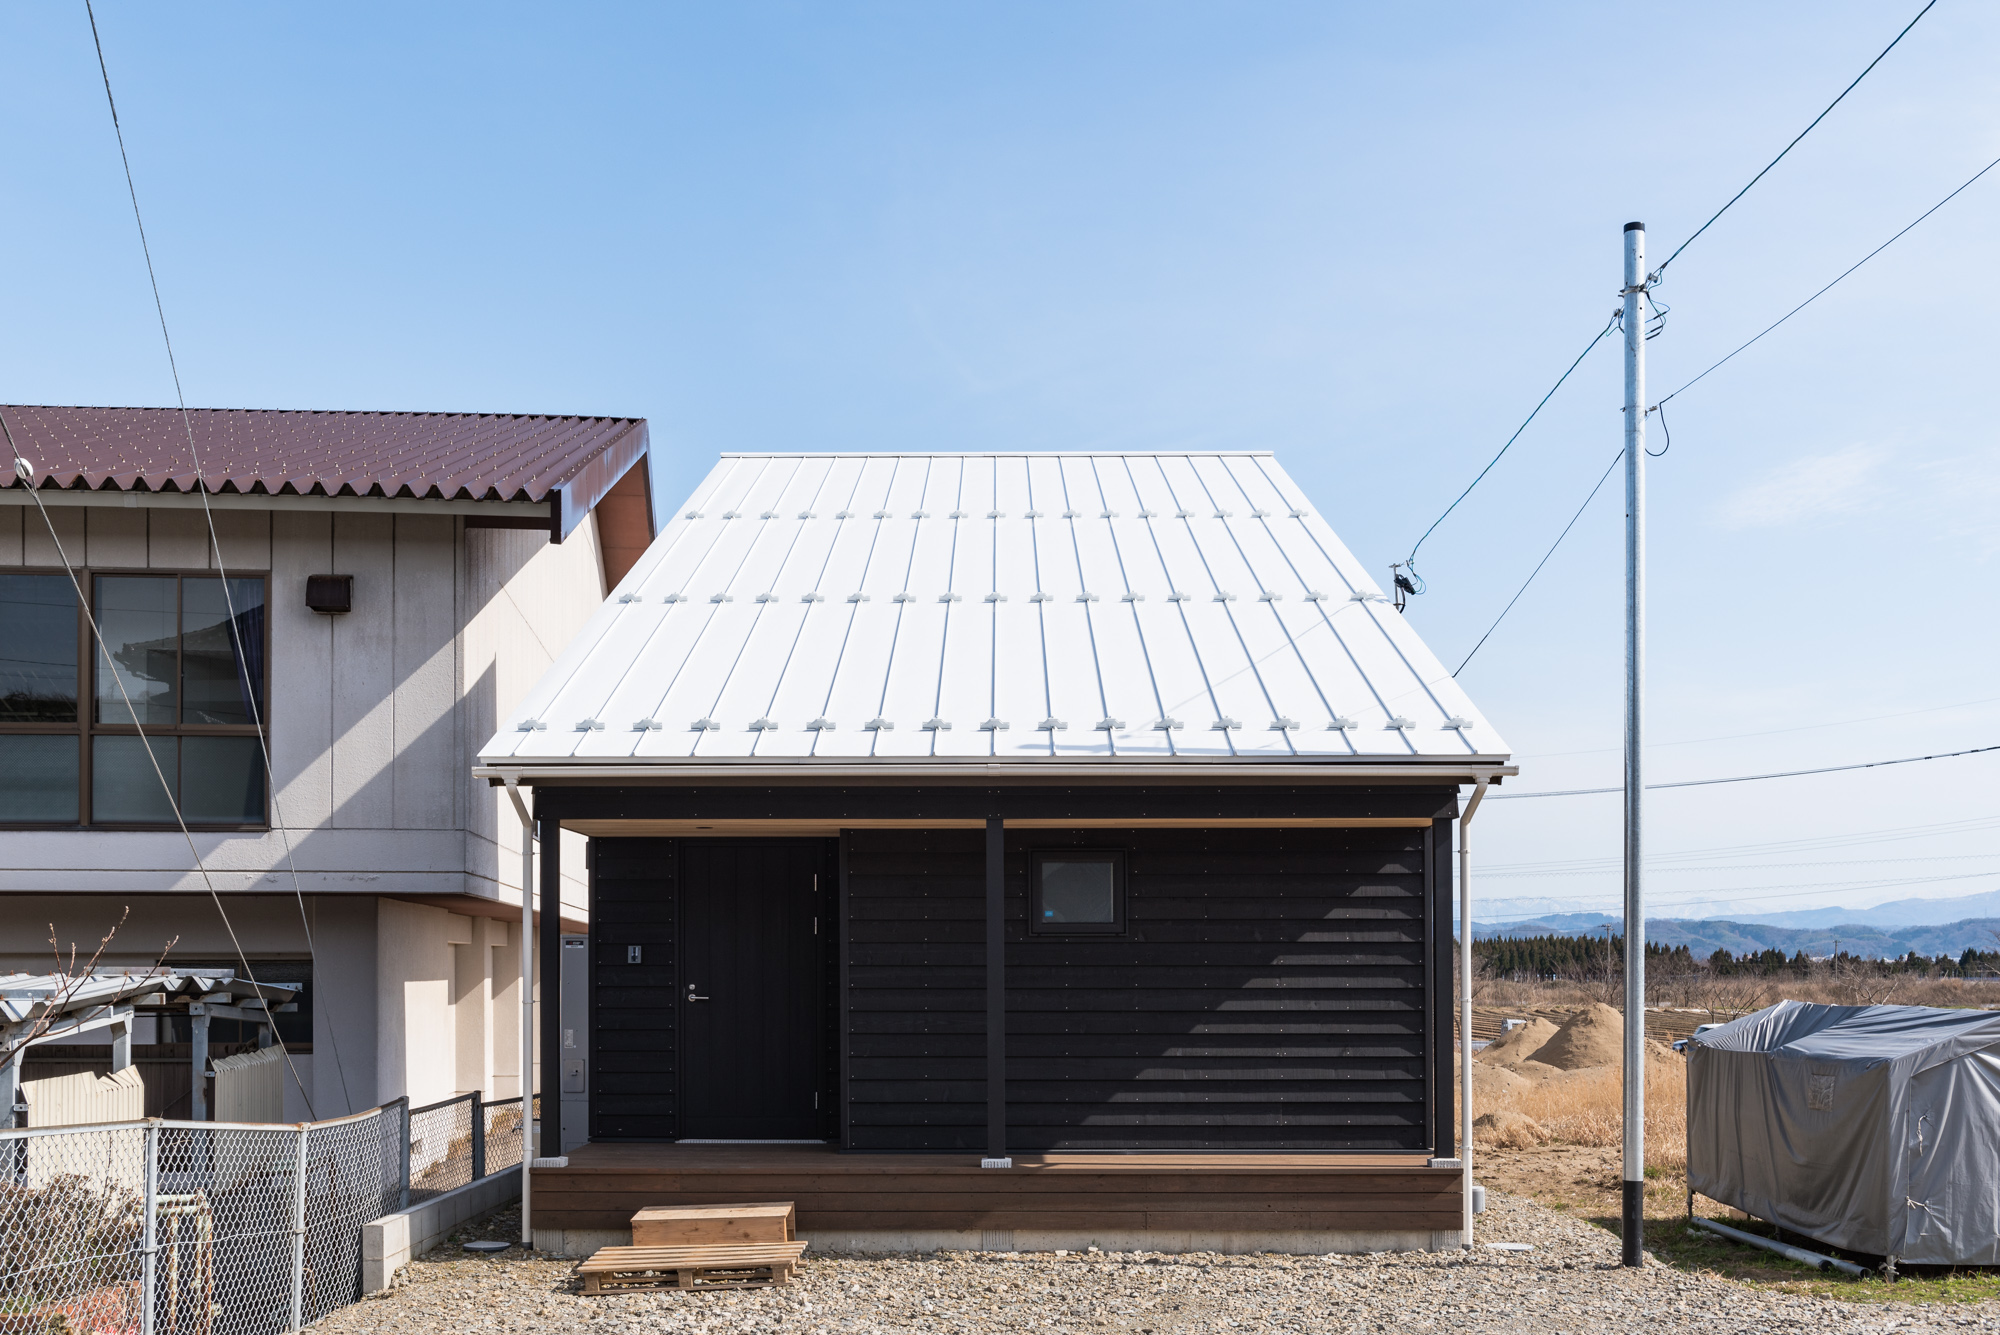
137 615
37 649
222 780
222 662
38 778
124 789
1079 893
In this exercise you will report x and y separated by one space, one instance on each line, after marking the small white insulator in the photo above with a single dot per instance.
1149 514
705 725
692 514
996 597
648 725
821 725
1315 596
1397 723
1133 598
1052 725
631 597
731 514
812 597
883 514
845 514
768 514
920 514
675 598
1284 725
1298 514
857 597
937 725
1086 597
951 597
1168 724
767 597
1071 514
1260 514
1177 597
1033 514
1184 514
879 725
996 514
1224 596
1458 722
807 514
1225 514
904 598
1342 724
590 725
722 597
957 514
764 725
1225 724
1041 598
1267 596
1110 724
994 725
531 725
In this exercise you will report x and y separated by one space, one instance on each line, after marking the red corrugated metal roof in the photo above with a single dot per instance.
449 456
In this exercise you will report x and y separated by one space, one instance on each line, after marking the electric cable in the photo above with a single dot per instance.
1829 287
1747 778
1544 561
1410 562
1655 277
222 574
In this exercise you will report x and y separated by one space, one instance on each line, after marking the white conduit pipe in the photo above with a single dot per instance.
527 1001
1465 1006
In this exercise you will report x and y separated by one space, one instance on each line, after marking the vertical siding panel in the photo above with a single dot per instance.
425 673
301 718
245 538
363 689
11 517
39 549
634 1087
116 537
176 540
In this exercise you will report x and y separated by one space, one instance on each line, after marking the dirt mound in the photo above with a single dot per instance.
1517 1045
1509 1130
1595 1037
1496 1084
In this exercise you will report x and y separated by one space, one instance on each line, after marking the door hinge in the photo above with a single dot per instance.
815 926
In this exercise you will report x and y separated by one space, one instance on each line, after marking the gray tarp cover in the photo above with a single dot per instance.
1874 1128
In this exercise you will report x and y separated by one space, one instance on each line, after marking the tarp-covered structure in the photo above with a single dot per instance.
1872 1128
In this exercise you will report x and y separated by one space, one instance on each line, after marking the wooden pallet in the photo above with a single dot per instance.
738 1266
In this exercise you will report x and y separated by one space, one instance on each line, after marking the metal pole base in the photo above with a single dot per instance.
1635 1223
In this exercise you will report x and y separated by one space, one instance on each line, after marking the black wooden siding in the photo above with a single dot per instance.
634 1069
1270 993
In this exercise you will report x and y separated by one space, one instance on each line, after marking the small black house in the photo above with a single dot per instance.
997 850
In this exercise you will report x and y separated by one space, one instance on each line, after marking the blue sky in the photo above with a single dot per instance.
1364 238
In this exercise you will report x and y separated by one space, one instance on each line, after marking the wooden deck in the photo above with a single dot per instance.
907 1194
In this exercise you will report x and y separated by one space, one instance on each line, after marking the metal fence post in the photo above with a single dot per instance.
478 1136
149 1228
299 1233
403 1201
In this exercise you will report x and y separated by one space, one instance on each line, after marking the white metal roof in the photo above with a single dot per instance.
904 607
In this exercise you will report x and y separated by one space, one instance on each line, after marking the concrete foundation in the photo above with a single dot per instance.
584 1241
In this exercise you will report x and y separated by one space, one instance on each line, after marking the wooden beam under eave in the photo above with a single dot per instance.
739 829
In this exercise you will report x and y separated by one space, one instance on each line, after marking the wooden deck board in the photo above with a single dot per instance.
604 1184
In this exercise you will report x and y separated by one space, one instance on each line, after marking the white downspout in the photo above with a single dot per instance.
1465 1005
527 1000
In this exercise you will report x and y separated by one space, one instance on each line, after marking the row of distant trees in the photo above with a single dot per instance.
1594 958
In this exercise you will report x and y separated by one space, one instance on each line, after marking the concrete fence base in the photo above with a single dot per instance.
388 1243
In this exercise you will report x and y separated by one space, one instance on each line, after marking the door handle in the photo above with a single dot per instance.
692 997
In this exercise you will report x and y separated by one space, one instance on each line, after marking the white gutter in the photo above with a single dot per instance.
527 1003
1477 770
1465 1005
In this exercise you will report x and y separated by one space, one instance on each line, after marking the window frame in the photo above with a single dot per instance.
86 728
1119 895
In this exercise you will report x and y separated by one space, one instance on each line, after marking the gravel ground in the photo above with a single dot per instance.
1570 1282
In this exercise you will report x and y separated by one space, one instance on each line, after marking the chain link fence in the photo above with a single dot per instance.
205 1228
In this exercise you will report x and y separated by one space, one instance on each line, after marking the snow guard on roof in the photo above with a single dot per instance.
1873 1128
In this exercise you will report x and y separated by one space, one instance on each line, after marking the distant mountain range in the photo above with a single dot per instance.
1927 926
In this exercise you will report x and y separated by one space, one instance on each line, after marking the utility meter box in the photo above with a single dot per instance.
573 1061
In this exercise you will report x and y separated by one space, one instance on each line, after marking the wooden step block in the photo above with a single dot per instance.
696 1225
742 1266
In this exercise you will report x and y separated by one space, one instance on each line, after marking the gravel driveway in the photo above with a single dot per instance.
1570 1282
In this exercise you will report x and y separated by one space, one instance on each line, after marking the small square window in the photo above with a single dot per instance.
1079 893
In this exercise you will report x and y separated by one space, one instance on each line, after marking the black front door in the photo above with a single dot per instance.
751 988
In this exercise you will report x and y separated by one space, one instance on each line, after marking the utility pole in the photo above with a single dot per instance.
1635 792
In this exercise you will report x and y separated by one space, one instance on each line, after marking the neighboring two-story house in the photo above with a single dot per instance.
396 581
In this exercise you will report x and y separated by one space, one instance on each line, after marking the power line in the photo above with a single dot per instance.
1794 144
1829 287
1411 560
1768 732
229 599
1746 778
1544 561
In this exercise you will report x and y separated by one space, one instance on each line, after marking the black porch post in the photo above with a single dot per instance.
996 988
551 987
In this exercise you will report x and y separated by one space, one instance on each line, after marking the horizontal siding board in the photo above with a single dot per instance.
1269 992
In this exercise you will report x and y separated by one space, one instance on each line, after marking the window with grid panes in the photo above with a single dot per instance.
169 705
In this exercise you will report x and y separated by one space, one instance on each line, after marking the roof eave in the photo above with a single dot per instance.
1452 769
